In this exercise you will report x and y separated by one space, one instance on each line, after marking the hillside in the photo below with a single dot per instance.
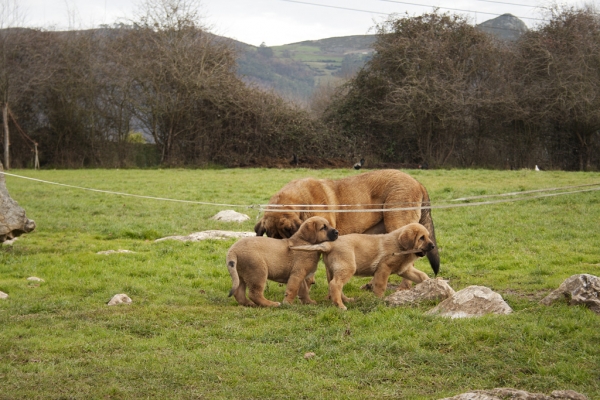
294 70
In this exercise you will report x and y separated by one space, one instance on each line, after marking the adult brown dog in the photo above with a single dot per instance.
383 189
253 260
378 256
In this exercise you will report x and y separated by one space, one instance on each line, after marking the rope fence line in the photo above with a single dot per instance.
318 207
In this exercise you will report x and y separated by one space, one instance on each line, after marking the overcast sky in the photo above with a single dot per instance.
277 22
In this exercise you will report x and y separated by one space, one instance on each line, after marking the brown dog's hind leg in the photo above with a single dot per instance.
304 293
255 292
336 285
240 295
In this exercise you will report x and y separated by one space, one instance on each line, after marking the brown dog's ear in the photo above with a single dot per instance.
259 228
407 238
293 226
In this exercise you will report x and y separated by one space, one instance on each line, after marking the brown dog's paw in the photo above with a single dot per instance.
405 285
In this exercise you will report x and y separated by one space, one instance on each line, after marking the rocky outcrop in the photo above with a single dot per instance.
506 27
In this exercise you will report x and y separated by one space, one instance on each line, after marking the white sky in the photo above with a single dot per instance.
278 22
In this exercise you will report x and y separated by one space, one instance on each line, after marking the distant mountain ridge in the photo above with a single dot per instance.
506 26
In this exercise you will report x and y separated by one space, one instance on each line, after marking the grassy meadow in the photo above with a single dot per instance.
183 338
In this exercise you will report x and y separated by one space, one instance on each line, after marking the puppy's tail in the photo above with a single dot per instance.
433 255
235 278
324 247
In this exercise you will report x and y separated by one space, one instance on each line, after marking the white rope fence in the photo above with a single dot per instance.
344 208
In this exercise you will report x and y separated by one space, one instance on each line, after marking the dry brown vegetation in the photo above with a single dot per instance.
437 92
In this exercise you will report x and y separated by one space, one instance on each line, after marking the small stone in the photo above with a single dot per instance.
119 299
309 355
115 251
3 295
35 279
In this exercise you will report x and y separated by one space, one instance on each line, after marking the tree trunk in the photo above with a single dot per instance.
6 136
13 221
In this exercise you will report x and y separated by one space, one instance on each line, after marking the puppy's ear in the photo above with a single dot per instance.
259 228
407 238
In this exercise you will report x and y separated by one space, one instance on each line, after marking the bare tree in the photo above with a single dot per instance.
10 19
560 65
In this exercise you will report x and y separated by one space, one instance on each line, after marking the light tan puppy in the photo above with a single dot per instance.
253 260
378 256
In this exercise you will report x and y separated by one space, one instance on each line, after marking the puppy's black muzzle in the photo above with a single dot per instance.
333 234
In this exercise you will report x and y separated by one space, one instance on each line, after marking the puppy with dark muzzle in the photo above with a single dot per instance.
253 260
378 256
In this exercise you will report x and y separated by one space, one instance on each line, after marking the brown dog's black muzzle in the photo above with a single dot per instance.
333 234
430 246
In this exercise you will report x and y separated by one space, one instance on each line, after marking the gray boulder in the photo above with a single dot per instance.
473 301
13 221
582 289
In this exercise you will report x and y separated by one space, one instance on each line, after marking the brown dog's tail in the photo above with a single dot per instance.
433 256
235 278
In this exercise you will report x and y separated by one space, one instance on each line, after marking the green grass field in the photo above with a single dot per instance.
183 338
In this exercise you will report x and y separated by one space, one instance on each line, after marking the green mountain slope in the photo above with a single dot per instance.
294 70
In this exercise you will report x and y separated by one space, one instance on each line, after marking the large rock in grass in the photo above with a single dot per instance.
13 221
429 290
473 301
582 289
515 394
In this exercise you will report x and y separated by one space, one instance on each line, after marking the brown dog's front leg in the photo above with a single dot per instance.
380 280
413 274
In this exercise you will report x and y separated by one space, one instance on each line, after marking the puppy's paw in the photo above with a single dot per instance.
405 285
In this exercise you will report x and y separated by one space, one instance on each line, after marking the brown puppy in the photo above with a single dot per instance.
253 260
382 189
378 256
